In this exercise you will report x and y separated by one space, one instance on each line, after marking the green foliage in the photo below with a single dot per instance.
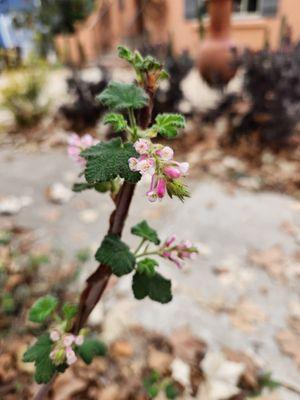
171 391
7 303
117 121
122 96
151 384
116 254
5 237
169 124
80 187
22 96
42 308
144 231
142 65
106 161
265 381
90 349
39 354
69 311
83 255
147 266
178 189
156 287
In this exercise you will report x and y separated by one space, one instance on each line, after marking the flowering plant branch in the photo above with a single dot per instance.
116 167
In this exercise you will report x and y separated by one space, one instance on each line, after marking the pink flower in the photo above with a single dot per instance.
71 356
68 340
79 340
54 335
152 196
77 144
170 240
172 172
161 188
142 146
166 153
146 165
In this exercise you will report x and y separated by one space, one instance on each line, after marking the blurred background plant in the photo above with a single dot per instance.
23 95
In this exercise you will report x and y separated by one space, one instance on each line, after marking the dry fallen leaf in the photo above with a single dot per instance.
159 361
247 315
273 260
289 343
68 385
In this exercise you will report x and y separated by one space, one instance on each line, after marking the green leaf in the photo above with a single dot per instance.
164 74
178 189
116 254
144 231
80 187
42 308
108 160
156 287
69 310
171 391
90 349
39 353
160 289
169 124
122 96
147 266
140 285
125 53
117 121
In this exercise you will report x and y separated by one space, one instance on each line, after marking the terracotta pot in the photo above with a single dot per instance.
216 61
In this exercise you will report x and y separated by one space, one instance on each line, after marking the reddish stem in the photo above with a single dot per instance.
97 282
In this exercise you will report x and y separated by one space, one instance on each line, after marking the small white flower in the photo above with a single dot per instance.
71 356
54 335
142 146
184 167
79 340
166 153
133 163
145 166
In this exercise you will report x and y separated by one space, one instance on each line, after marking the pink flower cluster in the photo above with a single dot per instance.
76 144
63 349
157 161
177 253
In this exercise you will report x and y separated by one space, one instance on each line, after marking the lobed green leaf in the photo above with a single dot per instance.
156 287
39 354
120 96
117 121
116 254
169 124
42 308
90 349
144 231
106 161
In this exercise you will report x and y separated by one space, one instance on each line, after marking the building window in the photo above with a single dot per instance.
196 8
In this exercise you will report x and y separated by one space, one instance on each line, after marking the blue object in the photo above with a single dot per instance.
8 6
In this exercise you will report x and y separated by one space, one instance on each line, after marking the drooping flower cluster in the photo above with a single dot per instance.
76 144
179 252
157 161
63 349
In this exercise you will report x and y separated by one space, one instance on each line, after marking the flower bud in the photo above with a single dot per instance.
172 172
161 188
54 335
142 146
68 340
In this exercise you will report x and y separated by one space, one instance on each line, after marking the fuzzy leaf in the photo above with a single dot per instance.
90 349
42 308
116 254
144 231
122 96
147 266
169 124
140 285
117 121
156 287
80 187
69 310
39 354
108 160
160 289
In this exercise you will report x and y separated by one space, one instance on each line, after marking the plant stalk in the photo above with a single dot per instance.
97 282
